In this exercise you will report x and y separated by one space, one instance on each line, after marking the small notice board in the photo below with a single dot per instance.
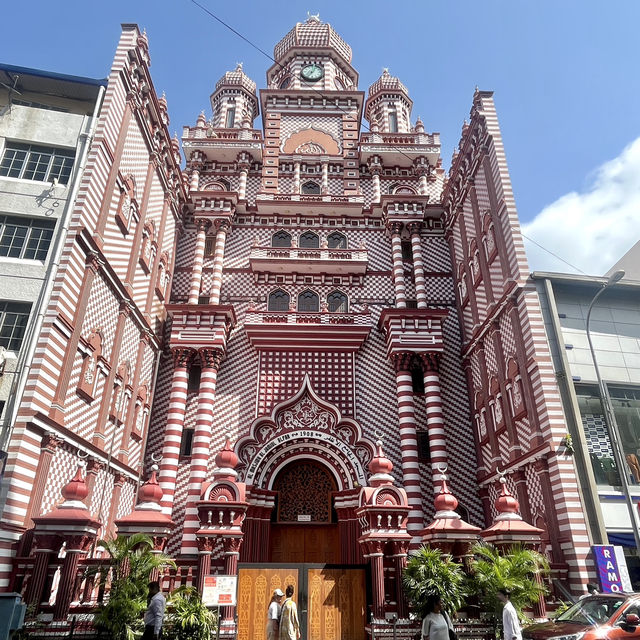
219 591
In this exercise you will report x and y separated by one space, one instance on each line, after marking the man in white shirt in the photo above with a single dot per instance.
510 622
154 615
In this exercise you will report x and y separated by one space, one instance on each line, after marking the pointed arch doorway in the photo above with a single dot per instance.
304 525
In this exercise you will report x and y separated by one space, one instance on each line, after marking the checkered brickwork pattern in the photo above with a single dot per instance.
63 467
290 124
282 374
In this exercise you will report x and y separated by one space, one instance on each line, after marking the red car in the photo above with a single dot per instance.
607 616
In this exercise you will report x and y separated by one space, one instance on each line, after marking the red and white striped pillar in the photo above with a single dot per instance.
418 265
409 445
222 227
231 548
175 424
395 229
296 177
435 417
375 169
195 164
243 163
76 547
210 360
198 261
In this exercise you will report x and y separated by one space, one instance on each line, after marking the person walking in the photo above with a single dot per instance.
154 615
273 615
510 623
436 624
289 623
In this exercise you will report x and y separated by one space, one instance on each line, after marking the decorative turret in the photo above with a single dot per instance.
448 531
226 462
508 527
234 100
380 468
147 516
389 104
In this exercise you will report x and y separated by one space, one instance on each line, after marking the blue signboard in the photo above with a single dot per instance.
612 568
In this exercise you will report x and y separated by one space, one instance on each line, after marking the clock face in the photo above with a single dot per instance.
312 72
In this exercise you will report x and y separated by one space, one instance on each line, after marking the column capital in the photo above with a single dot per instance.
395 228
222 224
182 356
415 228
210 358
402 361
203 224
50 442
430 362
231 545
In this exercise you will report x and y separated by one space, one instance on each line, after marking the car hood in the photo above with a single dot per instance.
546 630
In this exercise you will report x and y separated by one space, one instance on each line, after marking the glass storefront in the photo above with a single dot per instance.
626 406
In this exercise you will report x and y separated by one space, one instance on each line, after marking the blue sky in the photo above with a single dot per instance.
564 72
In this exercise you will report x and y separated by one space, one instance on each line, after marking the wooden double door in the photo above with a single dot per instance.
331 600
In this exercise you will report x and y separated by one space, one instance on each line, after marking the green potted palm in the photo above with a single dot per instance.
129 564
430 572
188 618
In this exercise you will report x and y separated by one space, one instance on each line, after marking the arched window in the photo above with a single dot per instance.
308 301
279 300
338 302
393 122
281 239
311 188
337 240
284 84
230 118
403 189
309 240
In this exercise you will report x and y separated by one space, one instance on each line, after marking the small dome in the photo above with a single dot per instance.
226 461
150 491
76 490
312 34
380 468
506 504
445 501
201 122
235 78
387 82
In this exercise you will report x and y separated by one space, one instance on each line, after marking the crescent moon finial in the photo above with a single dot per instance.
82 454
442 467
156 457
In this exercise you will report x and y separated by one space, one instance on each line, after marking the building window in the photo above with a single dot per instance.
281 239
13 322
311 188
193 382
308 302
186 444
424 451
393 122
338 302
27 238
626 407
309 240
407 251
417 380
279 300
285 83
33 162
337 240
230 118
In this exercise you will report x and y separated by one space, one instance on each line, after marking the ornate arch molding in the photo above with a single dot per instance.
311 141
304 427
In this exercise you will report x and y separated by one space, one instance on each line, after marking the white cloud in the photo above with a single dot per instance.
594 229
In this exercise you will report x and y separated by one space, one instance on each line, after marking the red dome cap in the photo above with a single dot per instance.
506 504
380 463
150 491
76 489
445 500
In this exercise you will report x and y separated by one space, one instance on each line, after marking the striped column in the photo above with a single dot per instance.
398 270
325 177
175 424
296 177
194 183
409 445
223 227
243 163
418 265
423 184
209 361
198 260
435 417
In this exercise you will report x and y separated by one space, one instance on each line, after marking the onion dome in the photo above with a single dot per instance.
76 490
150 494
380 468
446 503
419 125
201 123
506 505
226 462
235 78
387 83
312 34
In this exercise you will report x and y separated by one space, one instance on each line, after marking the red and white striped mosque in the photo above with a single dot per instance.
326 344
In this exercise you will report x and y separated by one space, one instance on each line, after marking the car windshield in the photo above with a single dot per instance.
592 610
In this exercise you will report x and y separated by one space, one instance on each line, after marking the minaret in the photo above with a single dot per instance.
389 105
234 102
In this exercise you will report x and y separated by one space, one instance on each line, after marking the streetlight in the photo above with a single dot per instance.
618 452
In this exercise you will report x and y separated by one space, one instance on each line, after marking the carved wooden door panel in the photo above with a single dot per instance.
336 604
255 587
